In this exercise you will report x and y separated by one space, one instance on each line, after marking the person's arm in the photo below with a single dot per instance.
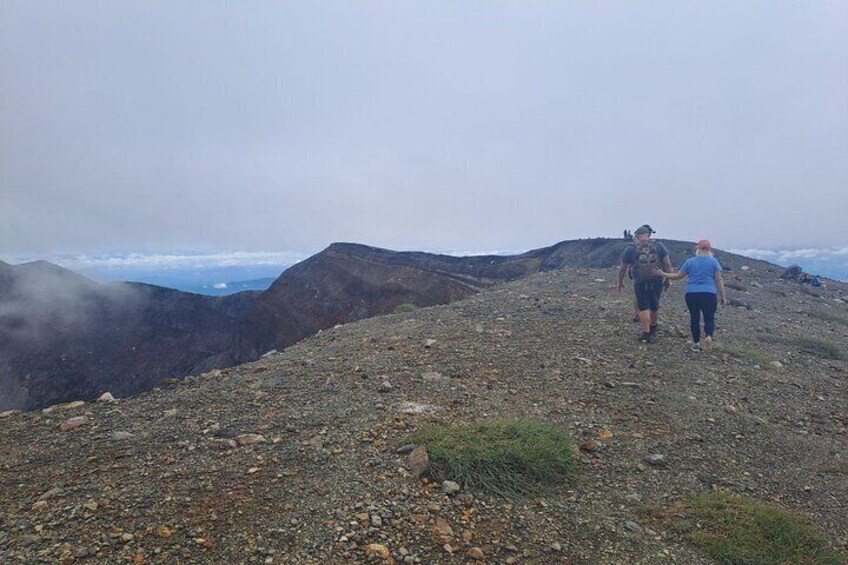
666 263
666 273
622 270
720 285
669 276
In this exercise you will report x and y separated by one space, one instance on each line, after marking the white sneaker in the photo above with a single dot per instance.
696 347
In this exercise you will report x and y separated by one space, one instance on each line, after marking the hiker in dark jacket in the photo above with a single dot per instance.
640 260
704 282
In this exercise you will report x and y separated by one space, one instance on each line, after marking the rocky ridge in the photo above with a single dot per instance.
300 457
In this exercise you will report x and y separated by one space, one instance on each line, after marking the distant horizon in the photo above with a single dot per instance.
192 269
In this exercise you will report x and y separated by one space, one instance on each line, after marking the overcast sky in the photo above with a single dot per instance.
283 126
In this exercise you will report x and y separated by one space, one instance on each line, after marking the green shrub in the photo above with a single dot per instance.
739 531
829 317
752 355
504 457
817 347
401 308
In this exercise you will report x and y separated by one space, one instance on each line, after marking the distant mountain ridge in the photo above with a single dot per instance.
64 337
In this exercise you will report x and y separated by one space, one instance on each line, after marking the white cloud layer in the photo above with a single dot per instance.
785 256
178 260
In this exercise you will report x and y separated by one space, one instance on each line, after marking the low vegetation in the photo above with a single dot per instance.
505 457
817 347
401 308
736 286
735 530
829 317
752 355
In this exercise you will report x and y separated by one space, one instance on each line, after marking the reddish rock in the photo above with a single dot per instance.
418 461
73 423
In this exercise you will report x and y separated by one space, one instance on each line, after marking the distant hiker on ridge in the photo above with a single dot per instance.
641 259
704 272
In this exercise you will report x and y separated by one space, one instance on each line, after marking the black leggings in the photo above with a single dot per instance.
698 302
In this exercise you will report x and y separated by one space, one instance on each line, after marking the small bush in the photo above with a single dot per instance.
401 308
752 355
817 347
504 457
829 317
739 531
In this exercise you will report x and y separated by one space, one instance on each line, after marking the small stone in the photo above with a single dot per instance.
73 423
106 397
556 546
170 413
8 413
730 409
776 365
52 493
385 386
126 538
378 549
442 528
90 505
249 439
656 459
118 436
633 526
589 445
405 449
253 470
476 553
418 461
376 520
432 376
430 343
164 532
467 536
450 487
39 505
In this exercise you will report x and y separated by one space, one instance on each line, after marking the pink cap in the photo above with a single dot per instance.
704 244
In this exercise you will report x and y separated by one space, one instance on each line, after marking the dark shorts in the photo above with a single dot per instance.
648 294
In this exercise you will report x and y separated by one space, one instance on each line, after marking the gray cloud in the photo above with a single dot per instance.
151 126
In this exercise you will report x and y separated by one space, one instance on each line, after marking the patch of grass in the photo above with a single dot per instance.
505 457
401 308
735 530
829 317
817 347
752 355
736 286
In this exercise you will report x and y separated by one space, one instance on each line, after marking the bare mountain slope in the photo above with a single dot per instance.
156 479
64 337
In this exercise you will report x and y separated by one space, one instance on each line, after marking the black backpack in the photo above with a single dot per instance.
647 259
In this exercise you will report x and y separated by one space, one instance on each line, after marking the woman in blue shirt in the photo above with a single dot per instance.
704 282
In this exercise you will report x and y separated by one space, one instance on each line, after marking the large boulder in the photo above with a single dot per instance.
792 273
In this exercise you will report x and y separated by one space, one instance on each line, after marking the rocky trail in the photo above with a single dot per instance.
300 457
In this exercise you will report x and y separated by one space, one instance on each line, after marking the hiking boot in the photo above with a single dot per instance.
696 347
653 331
646 338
